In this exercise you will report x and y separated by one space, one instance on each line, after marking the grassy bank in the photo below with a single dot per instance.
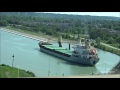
9 72
115 51
38 34
116 45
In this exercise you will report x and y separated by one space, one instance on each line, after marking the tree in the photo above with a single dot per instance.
98 40
110 40
3 22
118 39
92 44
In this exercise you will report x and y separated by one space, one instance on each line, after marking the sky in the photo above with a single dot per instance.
114 14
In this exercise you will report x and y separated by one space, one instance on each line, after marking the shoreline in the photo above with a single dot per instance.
91 76
83 76
34 37
23 34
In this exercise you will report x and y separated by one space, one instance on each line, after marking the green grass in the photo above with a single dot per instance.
117 45
39 34
25 31
9 72
117 52
30 32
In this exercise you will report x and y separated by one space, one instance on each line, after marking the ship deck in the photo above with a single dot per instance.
59 49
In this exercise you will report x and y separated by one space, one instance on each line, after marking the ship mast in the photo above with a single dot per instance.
87 44
60 40
79 40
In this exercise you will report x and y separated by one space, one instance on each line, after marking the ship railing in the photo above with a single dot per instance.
84 55
89 55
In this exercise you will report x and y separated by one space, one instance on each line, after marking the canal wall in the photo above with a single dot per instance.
16 33
37 38
116 68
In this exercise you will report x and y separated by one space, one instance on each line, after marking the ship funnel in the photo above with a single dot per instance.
60 40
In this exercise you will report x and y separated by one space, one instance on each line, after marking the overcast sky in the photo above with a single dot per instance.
115 14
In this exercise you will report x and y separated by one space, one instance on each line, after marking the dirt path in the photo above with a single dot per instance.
110 46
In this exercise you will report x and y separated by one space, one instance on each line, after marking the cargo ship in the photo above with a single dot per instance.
83 54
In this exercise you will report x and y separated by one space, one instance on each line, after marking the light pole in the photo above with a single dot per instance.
105 68
0 49
18 71
13 60
49 68
119 60
0 46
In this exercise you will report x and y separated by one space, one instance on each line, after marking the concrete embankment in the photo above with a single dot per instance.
20 34
38 38
116 68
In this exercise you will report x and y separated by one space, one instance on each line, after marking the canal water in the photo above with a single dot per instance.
27 56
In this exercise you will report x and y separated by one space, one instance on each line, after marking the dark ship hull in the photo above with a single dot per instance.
67 55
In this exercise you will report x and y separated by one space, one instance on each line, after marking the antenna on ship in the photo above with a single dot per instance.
87 43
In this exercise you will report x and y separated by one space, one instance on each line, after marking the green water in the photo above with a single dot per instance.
28 56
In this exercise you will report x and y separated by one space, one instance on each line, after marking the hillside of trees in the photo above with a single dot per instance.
59 16
107 29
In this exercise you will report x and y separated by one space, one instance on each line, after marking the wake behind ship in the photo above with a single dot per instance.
83 53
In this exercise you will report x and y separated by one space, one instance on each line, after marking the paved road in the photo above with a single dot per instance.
109 46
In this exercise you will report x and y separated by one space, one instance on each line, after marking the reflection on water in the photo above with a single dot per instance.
29 57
